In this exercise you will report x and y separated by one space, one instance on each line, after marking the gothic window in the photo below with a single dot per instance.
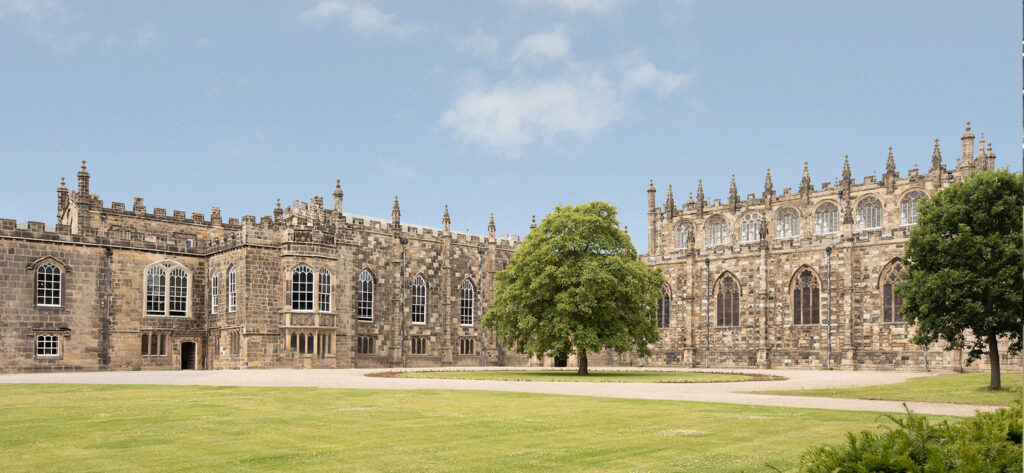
214 292
364 296
419 300
48 285
302 288
466 305
466 346
232 294
728 302
683 235
662 316
717 232
47 345
787 223
167 290
826 219
869 214
324 290
908 208
891 302
750 228
805 299
419 345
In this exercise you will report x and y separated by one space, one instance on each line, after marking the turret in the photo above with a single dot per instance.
890 173
966 147
278 212
769 189
62 199
651 191
338 195
83 183
734 199
990 158
396 215
652 220
446 221
490 227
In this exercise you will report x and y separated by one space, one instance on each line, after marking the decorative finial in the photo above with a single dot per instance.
337 183
446 220
533 222
83 165
62 181
890 163
278 202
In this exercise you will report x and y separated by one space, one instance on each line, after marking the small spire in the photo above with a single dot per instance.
936 156
768 180
846 168
981 146
83 165
278 203
700 191
990 153
890 164
533 222
651 187
446 220
490 226
734 199
62 181
805 181
670 201
691 199
396 214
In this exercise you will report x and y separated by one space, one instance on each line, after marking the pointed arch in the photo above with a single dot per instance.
727 300
787 222
869 213
748 227
888 278
49 275
663 314
826 218
419 299
167 285
908 206
301 293
364 295
683 235
467 292
805 286
716 231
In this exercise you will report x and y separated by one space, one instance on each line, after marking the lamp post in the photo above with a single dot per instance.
828 322
707 316
404 240
480 287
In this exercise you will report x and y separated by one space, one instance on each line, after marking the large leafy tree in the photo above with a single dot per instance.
576 286
964 267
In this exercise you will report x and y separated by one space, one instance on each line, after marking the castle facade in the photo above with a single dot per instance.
308 287
798 279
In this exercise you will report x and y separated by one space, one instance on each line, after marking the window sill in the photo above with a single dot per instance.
48 306
162 316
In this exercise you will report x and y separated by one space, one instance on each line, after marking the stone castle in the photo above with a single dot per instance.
311 287
749 278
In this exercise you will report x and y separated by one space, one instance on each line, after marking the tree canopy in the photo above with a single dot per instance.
964 266
575 285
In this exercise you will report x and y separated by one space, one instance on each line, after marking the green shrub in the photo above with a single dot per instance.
989 442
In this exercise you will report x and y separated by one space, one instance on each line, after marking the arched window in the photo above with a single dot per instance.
214 292
805 298
364 296
869 214
466 305
662 316
419 300
302 288
717 232
728 300
826 219
48 285
891 302
683 235
232 290
908 207
324 290
787 223
167 289
750 228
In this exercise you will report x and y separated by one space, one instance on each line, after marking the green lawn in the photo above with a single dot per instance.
60 427
967 388
593 377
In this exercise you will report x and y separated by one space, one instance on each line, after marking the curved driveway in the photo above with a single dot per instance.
733 393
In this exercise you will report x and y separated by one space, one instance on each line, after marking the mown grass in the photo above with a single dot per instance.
60 427
593 377
967 388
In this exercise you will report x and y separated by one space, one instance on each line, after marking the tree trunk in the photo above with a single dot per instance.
994 381
582 357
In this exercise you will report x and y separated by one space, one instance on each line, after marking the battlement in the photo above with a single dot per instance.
116 238
158 214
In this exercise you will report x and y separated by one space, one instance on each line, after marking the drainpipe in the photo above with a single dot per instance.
105 331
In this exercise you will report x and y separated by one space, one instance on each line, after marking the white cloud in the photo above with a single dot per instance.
576 6
363 18
47 21
551 45
638 73
583 101
478 44
514 114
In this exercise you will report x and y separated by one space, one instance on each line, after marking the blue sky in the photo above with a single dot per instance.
506 106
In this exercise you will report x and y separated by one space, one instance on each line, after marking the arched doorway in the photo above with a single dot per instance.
188 355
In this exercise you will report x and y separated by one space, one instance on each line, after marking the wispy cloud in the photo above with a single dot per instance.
638 73
396 168
363 18
47 21
576 6
551 45
478 44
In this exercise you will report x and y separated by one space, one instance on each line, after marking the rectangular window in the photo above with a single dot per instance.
325 290
47 345
365 345
419 345
145 344
231 290
214 293
466 346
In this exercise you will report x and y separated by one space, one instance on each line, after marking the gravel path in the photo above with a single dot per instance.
732 393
